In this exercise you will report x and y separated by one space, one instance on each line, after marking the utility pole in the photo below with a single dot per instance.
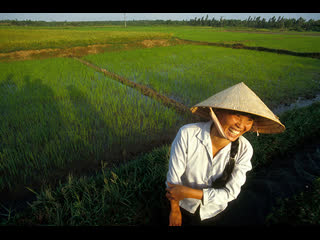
125 23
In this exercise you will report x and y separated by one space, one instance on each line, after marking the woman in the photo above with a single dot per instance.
209 160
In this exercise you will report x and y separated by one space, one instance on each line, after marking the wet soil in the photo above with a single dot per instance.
283 178
81 51
300 102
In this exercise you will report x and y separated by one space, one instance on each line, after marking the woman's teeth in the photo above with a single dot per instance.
235 132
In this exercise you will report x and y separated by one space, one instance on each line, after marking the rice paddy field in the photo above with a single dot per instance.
57 111
61 118
23 38
193 73
293 41
14 38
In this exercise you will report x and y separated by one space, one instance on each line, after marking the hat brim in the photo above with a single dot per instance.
262 124
241 98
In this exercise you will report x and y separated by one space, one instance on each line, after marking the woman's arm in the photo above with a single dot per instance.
178 192
175 217
177 165
175 193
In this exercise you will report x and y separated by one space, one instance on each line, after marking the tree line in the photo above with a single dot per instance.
299 24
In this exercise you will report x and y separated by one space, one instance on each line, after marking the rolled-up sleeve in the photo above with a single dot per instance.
233 186
177 162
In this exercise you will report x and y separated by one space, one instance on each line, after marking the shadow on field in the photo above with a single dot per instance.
43 139
30 119
90 123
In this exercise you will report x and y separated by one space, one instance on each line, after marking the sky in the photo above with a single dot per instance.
145 16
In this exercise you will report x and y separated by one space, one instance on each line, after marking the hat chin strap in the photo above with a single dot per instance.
217 123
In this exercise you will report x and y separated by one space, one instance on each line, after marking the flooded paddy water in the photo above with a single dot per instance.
301 102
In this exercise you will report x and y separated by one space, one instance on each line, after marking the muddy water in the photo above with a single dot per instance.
301 102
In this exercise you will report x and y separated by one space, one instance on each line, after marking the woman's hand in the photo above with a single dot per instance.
176 192
179 192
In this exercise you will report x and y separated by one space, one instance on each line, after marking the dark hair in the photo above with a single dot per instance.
235 112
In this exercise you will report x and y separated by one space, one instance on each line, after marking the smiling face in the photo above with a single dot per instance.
234 124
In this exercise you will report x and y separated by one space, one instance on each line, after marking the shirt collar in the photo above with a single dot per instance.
204 136
204 133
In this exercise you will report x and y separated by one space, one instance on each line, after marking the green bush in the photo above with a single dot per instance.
301 209
129 195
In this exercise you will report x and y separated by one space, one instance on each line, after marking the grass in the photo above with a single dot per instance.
128 195
31 38
58 114
16 38
133 194
191 73
293 42
302 209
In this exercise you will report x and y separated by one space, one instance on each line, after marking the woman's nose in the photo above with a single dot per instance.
241 123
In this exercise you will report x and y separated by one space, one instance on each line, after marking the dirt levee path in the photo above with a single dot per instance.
84 50
143 89
263 49
81 51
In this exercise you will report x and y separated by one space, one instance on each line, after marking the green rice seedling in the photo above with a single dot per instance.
292 41
59 116
191 73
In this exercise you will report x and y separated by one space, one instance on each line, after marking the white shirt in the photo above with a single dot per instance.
192 164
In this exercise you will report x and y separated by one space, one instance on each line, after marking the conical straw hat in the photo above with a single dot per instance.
241 98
